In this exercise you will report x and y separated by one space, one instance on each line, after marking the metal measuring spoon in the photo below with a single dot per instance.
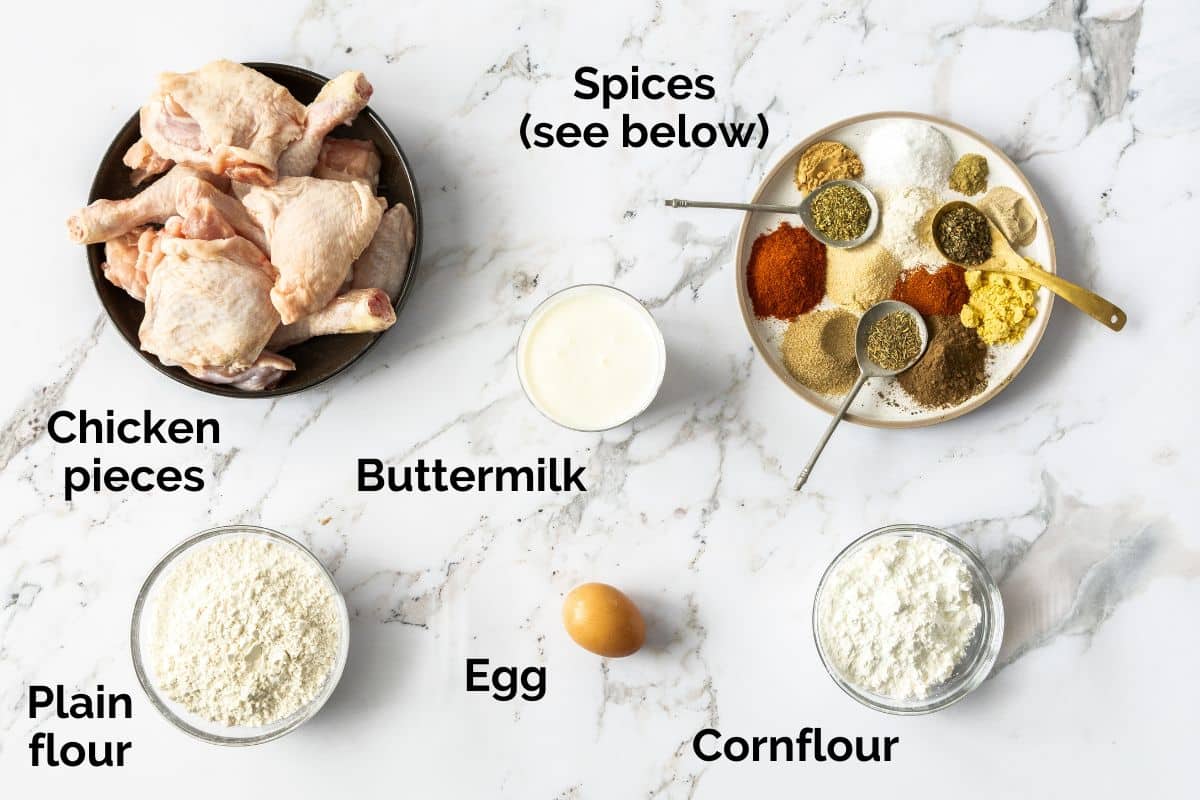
866 369
803 210
1005 259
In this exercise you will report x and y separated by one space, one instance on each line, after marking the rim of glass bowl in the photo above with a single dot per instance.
265 733
991 635
659 339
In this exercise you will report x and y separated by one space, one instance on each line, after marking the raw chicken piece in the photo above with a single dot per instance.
108 219
208 304
211 214
127 260
315 229
338 103
384 263
144 162
265 373
349 160
204 221
358 311
224 117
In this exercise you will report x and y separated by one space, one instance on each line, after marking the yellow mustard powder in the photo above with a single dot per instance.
1001 306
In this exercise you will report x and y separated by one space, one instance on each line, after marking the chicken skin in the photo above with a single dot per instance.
349 160
356 311
208 304
338 103
144 162
384 263
315 230
109 219
225 118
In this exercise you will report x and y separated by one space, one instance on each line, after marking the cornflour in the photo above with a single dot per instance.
244 631
897 615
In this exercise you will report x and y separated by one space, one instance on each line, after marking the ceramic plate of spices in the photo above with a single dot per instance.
801 300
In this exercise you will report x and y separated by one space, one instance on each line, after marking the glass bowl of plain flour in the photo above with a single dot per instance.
907 619
239 635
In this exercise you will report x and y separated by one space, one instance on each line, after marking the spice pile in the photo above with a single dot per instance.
818 348
859 277
1001 306
937 293
970 174
786 274
964 236
953 369
841 213
815 293
826 161
894 341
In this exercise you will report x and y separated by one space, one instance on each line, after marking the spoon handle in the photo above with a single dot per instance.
772 207
833 423
1086 301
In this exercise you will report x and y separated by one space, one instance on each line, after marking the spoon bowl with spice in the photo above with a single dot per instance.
891 336
965 236
839 213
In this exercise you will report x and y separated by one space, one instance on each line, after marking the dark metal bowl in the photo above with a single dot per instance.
320 358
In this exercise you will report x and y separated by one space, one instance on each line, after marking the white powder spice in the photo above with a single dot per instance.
244 631
906 152
906 225
897 615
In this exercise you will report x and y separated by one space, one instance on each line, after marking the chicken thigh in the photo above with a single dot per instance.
315 230
384 263
223 117
338 103
208 304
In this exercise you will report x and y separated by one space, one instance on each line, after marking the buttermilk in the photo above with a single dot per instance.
80 427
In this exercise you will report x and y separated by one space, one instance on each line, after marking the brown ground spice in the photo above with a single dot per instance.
818 349
786 273
934 294
953 369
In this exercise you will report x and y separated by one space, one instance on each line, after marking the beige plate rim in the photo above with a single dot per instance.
830 406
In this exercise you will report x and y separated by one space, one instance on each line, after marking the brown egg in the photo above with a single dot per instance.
600 618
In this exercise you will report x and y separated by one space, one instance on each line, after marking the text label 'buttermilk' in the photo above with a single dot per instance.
548 475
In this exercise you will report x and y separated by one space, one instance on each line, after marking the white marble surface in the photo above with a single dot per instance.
1078 483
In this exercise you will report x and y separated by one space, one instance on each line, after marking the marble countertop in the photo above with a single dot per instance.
1077 483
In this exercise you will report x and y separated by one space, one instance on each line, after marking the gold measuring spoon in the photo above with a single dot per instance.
802 210
1005 259
866 369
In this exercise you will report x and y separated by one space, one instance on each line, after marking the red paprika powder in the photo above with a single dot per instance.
934 294
786 273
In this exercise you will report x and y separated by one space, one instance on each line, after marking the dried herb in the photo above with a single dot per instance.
841 213
894 341
964 236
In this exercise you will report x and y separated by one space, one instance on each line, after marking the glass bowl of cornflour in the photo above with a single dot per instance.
907 619
239 635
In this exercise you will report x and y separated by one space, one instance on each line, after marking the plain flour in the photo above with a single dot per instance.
897 615
244 631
